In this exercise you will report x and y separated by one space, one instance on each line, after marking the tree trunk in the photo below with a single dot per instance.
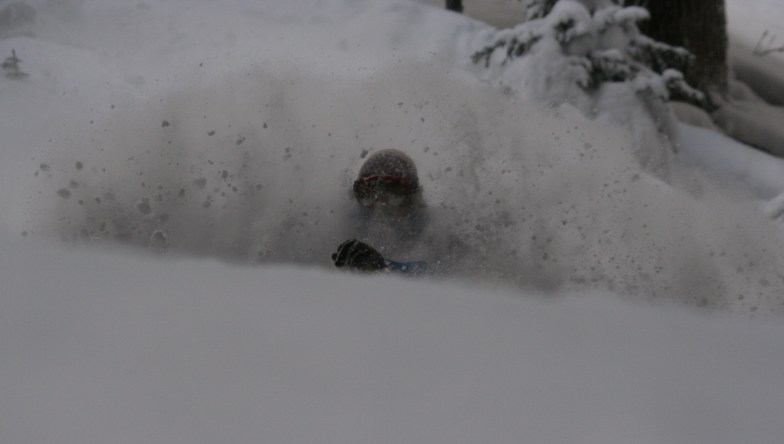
454 5
699 26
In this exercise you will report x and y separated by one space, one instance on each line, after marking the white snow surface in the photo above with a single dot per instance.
102 348
732 161
196 158
747 21
754 112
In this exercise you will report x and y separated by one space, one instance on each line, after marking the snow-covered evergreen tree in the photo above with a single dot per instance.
590 54
11 67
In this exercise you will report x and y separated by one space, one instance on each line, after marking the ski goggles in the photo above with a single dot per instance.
387 190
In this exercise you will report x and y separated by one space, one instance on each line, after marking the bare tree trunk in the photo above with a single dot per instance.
454 5
699 26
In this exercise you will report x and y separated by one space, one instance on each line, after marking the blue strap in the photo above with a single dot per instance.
413 268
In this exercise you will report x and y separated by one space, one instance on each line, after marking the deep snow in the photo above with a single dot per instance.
194 131
99 347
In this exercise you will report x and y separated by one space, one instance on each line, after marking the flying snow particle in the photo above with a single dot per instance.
144 206
158 241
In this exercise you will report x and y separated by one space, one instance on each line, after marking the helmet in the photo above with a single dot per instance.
387 176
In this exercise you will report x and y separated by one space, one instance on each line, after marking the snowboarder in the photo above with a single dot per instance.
392 213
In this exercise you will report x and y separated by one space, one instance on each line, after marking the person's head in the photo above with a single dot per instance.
388 178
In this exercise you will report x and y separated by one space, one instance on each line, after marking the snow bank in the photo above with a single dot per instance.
753 122
104 348
731 161
499 13
756 32
762 73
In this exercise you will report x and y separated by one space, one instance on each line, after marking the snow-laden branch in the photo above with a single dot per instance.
592 55
766 44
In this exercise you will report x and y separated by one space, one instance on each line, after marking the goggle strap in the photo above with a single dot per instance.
390 179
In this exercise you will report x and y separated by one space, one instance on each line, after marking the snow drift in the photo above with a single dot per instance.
200 352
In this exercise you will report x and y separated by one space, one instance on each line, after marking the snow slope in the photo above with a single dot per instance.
101 347
732 161
499 13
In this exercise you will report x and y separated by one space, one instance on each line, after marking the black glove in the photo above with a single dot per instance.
358 255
